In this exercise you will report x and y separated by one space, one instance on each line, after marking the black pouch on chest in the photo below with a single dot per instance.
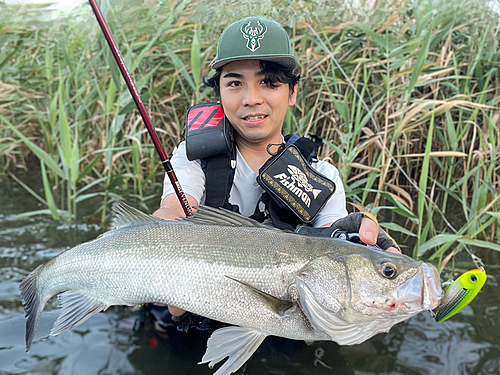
292 182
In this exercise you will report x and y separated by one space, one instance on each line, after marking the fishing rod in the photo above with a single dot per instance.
140 106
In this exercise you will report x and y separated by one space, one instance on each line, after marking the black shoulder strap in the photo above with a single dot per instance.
219 176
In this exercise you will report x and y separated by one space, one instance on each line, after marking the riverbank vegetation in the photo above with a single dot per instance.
405 94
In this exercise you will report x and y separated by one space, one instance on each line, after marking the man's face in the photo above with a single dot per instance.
254 108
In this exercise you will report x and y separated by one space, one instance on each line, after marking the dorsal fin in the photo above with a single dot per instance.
219 216
126 215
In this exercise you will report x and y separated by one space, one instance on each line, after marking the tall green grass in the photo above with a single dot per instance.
405 94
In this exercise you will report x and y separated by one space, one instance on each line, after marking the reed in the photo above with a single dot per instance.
407 101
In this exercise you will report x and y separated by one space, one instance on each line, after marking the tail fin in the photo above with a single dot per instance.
76 307
32 303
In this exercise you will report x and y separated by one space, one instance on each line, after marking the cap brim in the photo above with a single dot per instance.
286 61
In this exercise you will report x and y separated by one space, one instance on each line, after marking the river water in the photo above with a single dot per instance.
112 343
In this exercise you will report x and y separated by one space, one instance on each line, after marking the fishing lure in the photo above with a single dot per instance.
460 293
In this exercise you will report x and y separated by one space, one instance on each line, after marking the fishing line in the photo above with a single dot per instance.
477 261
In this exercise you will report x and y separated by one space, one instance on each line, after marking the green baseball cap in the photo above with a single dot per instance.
255 37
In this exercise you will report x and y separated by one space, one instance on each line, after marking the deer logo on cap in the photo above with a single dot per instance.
253 35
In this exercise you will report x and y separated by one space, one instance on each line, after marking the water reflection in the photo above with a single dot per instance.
469 343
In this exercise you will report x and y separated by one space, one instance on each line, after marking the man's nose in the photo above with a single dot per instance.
253 96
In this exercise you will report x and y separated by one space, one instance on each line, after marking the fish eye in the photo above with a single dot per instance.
388 270
473 278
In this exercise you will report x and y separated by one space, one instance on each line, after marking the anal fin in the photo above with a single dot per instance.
237 343
76 308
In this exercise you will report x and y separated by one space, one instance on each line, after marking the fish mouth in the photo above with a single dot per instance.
422 292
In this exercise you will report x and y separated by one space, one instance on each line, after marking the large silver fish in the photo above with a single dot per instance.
227 267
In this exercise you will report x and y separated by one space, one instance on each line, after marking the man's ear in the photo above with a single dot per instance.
292 99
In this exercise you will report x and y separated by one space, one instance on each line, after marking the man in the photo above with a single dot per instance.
256 82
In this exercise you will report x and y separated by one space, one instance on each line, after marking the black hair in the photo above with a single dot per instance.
273 72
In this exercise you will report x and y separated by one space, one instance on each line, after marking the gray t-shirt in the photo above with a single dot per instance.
245 191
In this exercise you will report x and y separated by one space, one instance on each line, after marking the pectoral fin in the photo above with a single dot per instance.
277 305
237 343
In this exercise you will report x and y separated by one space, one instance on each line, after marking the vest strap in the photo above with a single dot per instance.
219 179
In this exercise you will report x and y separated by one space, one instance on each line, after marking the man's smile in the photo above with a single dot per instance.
254 117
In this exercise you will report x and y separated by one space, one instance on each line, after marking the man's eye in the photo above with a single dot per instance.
234 84
270 84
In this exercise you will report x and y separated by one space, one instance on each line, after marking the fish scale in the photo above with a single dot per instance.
229 268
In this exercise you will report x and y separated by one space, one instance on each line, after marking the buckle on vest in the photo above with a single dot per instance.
292 182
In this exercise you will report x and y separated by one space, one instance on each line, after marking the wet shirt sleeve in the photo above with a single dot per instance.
335 208
189 173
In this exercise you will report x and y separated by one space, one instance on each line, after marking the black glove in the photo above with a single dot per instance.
347 228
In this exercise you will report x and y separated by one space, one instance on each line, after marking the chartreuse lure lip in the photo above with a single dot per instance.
460 294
